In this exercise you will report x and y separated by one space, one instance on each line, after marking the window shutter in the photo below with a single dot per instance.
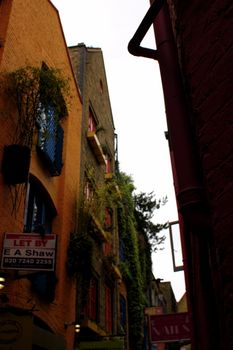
108 309
58 150
50 141
50 137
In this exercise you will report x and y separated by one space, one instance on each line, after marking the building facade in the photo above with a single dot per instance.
205 61
194 52
39 179
102 311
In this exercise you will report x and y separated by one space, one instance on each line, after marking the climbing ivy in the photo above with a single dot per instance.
136 231
131 268
133 227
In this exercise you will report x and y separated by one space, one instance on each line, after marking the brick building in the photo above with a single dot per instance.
37 205
194 52
99 314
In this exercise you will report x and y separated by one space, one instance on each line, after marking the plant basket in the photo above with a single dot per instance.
15 164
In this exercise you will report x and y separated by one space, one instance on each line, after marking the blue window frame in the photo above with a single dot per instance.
50 139
39 211
39 214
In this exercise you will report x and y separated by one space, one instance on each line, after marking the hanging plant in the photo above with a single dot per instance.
79 254
28 90
32 88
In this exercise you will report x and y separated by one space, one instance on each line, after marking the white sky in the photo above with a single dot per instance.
137 102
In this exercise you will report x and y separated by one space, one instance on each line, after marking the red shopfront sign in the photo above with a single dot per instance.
169 327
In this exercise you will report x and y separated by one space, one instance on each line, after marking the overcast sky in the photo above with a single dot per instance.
137 102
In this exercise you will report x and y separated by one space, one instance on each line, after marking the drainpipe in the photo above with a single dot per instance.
190 194
188 186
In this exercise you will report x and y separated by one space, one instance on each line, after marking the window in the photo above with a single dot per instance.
92 300
101 86
107 248
43 284
39 214
108 168
50 139
108 218
88 190
92 123
123 312
39 210
108 309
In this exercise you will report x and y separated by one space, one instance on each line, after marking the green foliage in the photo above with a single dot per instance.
144 247
134 215
137 230
131 268
106 195
79 257
145 205
29 87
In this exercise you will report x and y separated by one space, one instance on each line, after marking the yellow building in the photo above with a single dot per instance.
39 179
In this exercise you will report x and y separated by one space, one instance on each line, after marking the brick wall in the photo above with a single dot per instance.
203 32
89 67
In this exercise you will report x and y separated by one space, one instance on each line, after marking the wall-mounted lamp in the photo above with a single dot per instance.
75 324
2 282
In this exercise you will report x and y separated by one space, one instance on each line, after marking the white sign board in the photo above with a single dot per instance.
29 251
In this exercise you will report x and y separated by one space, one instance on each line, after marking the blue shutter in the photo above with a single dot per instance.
58 151
50 141
50 136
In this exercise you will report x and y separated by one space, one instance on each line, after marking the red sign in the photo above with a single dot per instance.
29 252
169 327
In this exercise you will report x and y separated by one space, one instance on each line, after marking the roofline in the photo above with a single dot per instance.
67 51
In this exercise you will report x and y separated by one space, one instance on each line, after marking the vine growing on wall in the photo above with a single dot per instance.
130 267
81 245
137 266
135 213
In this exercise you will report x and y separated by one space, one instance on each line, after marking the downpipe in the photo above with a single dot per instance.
189 189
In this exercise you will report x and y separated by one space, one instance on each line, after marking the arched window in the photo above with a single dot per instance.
39 211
